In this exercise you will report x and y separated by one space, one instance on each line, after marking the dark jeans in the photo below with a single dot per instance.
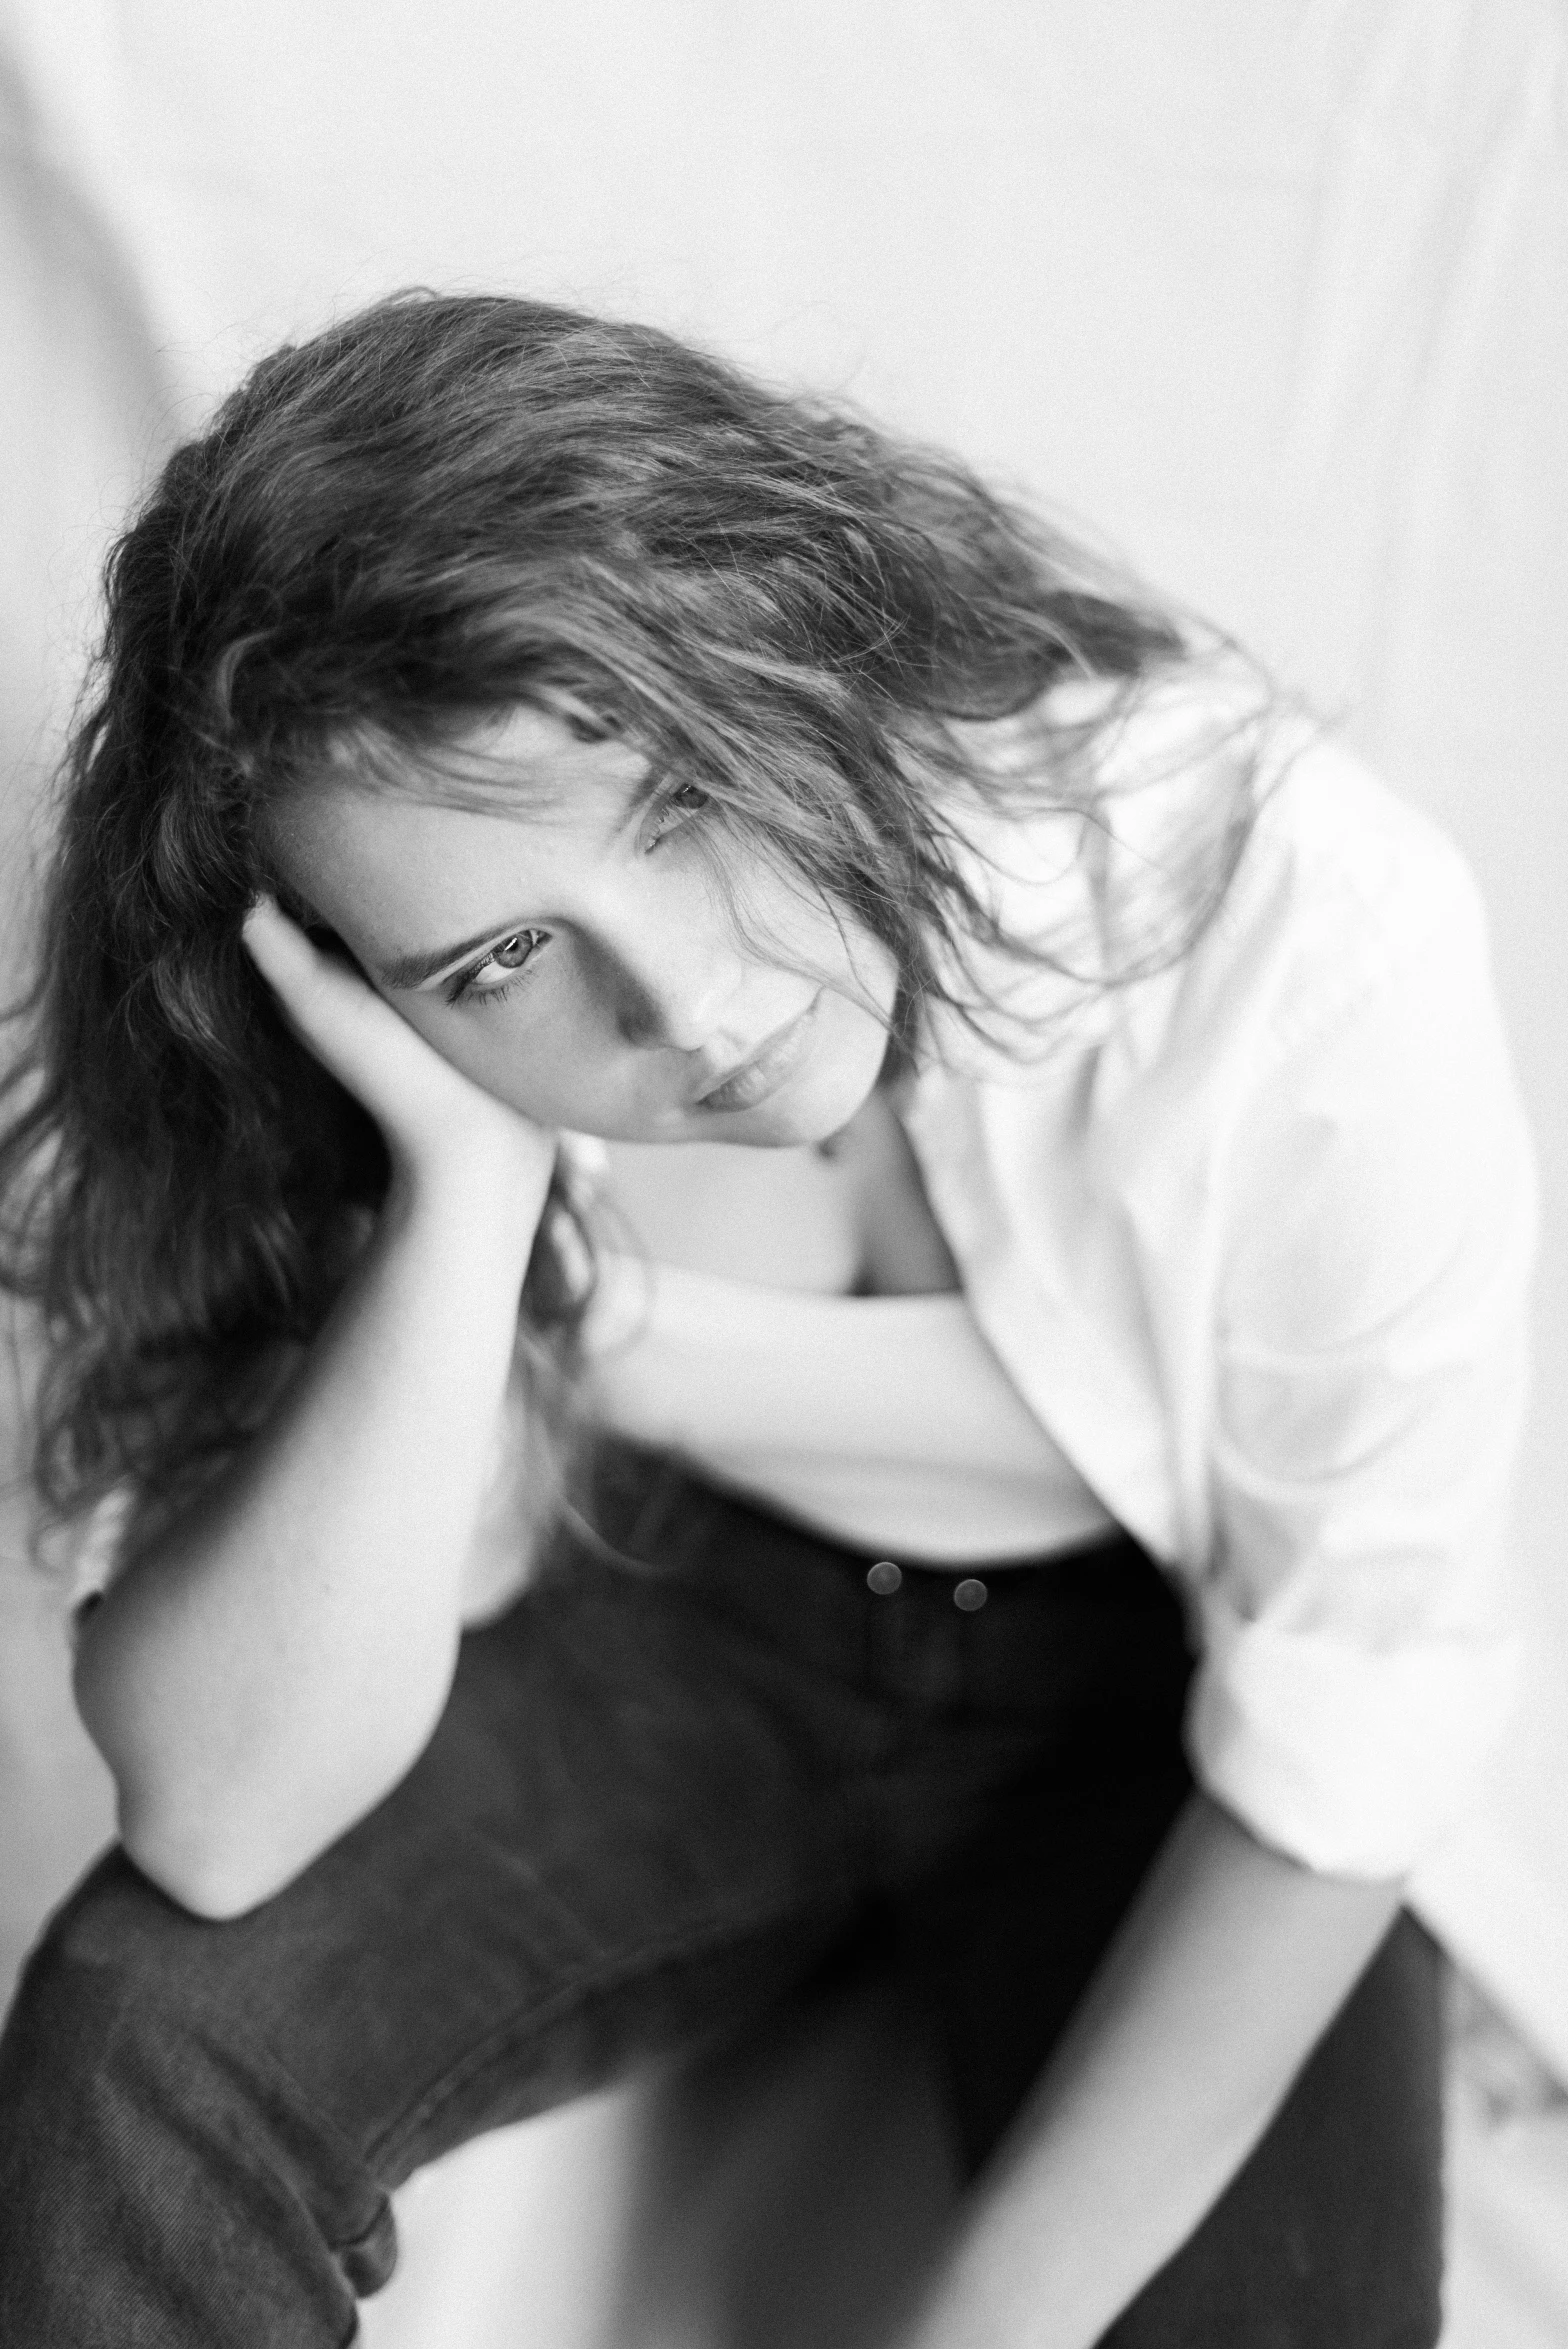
658 1800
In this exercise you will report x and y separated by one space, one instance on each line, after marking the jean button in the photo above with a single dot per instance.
884 1578
971 1594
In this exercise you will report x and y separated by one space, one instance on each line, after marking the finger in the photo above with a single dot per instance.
330 1008
289 963
296 967
278 947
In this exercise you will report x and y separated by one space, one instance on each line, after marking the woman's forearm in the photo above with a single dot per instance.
276 1661
1229 1967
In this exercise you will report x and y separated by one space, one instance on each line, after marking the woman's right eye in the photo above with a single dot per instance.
677 807
499 969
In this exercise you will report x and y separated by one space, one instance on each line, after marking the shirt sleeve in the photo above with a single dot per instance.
1371 1364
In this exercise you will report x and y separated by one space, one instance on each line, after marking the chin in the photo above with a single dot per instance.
814 1108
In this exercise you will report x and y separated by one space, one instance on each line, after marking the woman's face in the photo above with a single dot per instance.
572 954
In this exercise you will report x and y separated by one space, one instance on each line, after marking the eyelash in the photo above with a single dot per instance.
462 988
670 805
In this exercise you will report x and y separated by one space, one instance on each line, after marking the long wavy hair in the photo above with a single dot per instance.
440 508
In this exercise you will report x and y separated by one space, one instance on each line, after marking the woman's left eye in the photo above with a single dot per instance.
677 807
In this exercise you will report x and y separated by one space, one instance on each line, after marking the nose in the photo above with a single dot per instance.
677 998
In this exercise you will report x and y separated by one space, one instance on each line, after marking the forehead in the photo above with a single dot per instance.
509 799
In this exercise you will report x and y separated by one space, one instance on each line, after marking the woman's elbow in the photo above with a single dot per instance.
210 1867
221 1807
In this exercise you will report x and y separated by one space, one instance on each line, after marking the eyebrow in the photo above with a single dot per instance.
412 970
407 971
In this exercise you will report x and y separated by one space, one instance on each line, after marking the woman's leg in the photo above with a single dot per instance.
1330 2237
610 1847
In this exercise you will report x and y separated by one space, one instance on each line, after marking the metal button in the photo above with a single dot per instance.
884 1578
971 1594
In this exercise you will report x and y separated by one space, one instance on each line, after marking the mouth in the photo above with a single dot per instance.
768 1068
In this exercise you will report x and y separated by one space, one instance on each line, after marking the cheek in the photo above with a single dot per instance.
848 960
870 972
533 1058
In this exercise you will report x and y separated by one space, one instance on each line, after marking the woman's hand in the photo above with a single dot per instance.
270 1664
436 1122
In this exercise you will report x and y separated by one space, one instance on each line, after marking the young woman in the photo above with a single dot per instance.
761 1215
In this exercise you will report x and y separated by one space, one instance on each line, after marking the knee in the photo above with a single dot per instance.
109 1954
113 1985
136 2098
117 1919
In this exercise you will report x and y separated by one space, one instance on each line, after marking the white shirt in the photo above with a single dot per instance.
1254 1244
884 1422
1252 1241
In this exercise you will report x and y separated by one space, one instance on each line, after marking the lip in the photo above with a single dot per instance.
768 1068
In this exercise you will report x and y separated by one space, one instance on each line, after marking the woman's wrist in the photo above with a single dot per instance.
487 1192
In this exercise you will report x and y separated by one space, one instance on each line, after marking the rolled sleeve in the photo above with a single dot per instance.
1351 1762
1358 1662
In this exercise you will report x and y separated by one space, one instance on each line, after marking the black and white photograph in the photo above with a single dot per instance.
784 1175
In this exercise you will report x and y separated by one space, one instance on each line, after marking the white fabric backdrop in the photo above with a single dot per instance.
1272 292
